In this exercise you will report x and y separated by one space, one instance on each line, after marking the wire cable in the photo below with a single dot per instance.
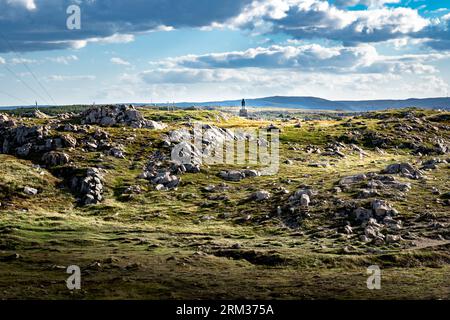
27 67
14 97
24 83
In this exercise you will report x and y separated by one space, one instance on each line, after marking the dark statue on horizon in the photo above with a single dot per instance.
243 112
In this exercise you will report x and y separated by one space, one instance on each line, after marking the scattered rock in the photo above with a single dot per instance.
30 191
382 208
238 175
362 214
392 238
352 179
133 190
348 229
116 153
304 200
261 195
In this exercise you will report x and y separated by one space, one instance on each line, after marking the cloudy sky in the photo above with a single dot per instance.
199 50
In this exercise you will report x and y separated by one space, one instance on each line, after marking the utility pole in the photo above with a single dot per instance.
37 108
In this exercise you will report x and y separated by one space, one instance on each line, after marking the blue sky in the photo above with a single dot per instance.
199 50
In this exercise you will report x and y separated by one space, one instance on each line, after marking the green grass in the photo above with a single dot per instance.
157 245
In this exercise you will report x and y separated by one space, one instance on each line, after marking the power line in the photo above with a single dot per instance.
23 82
27 68
39 82
14 97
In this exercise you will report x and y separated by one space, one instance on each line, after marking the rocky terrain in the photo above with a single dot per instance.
99 188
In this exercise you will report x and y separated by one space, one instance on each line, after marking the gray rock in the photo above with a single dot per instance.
89 186
382 208
304 200
118 115
392 238
232 175
362 214
24 150
116 153
261 195
348 229
352 179
160 187
54 158
405 169
36 114
69 141
30 191
251 173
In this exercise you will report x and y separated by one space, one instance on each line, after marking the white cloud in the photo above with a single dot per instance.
28 4
70 78
319 19
115 38
120 61
23 60
306 58
2 61
224 84
368 3
63 59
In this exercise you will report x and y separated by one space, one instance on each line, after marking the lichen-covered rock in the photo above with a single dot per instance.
23 140
352 179
382 208
54 158
232 175
89 186
116 153
6 121
363 214
30 191
36 114
405 169
69 141
109 116
162 172
261 195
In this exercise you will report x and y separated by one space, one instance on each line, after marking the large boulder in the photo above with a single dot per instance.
346 181
363 214
238 175
23 140
89 186
232 175
6 121
69 141
123 115
261 195
35 114
381 208
405 169
54 158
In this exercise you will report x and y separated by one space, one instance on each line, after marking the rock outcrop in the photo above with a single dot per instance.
377 220
89 186
54 158
238 175
122 115
405 169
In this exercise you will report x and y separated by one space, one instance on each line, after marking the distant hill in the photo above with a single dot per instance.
324 104
312 103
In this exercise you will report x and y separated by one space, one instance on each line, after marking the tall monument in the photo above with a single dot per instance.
243 112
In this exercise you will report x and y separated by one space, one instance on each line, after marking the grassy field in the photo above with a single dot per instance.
187 244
